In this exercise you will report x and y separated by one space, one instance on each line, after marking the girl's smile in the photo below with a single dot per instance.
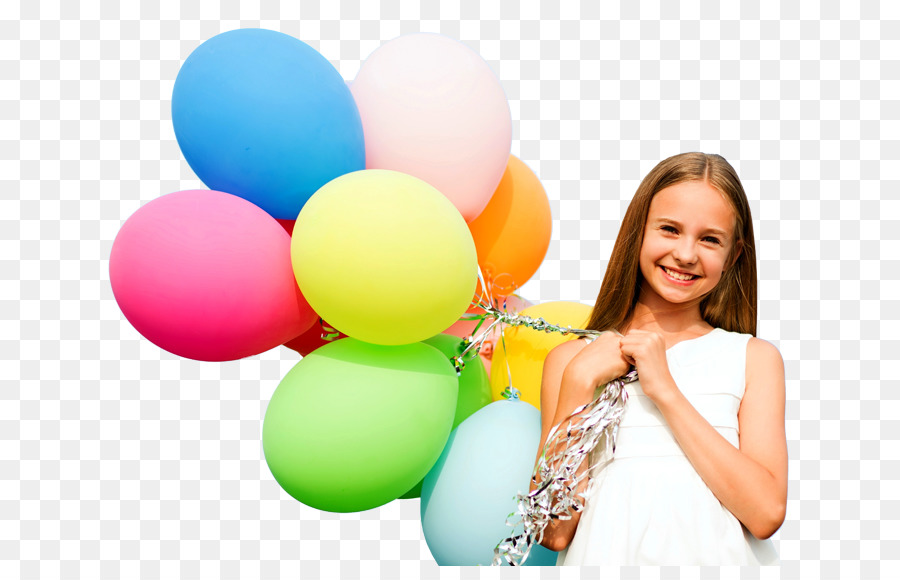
679 276
687 241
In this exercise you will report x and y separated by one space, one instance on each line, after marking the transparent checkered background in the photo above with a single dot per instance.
119 460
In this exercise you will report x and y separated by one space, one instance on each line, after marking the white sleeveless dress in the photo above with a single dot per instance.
648 505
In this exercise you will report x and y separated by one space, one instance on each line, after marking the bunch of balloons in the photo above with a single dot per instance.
348 221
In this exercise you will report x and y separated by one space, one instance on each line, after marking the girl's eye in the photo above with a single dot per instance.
669 229
712 239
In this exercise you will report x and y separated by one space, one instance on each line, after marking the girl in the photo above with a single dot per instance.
699 474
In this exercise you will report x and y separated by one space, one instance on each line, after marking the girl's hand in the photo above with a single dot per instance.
599 362
646 350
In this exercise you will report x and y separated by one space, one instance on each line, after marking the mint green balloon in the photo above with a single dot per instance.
354 425
474 387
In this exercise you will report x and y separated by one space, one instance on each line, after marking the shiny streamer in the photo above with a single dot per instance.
590 432
495 311
328 333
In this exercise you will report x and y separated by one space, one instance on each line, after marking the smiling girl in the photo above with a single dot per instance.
700 469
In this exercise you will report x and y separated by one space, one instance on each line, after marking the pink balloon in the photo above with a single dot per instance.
432 108
207 275
464 328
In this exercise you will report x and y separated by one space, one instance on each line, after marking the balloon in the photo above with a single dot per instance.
512 234
313 338
470 491
384 257
433 108
474 387
207 276
262 115
288 225
354 425
527 348
464 328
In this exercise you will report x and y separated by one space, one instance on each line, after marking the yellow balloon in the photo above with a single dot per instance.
384 257
526 348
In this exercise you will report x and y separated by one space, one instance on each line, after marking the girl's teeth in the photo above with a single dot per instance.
678 276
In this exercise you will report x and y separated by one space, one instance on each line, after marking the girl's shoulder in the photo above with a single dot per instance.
753 350
567 350
762 352
762 359
756 347
755 344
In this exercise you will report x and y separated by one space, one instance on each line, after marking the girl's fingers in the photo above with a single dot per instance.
626 351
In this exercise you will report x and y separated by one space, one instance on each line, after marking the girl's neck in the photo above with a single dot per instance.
676 322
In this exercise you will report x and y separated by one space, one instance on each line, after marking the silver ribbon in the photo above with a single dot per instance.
591 427
589 432
495 310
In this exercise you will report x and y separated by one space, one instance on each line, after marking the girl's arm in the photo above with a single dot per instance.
571 374
751 481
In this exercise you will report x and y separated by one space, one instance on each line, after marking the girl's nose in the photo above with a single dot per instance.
685 251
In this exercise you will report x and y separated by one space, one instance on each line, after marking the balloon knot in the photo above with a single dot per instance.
511 393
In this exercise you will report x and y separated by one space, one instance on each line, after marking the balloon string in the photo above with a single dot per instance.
501 316
557 475
510 392
590 427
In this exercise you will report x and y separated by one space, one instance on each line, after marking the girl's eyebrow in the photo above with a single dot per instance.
676 223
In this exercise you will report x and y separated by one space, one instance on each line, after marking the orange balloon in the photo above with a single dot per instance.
512 234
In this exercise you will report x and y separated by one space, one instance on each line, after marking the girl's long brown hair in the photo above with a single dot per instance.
731 305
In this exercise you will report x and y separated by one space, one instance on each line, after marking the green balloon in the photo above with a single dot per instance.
354 425
474 388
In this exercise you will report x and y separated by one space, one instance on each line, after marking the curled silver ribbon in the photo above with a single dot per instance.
590 427
495 310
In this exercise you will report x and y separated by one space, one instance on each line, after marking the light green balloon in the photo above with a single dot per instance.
354 425
474 387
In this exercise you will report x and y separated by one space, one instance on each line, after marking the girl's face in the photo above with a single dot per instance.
687 240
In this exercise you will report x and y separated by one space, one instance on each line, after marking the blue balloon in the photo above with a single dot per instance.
470 491
262 115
